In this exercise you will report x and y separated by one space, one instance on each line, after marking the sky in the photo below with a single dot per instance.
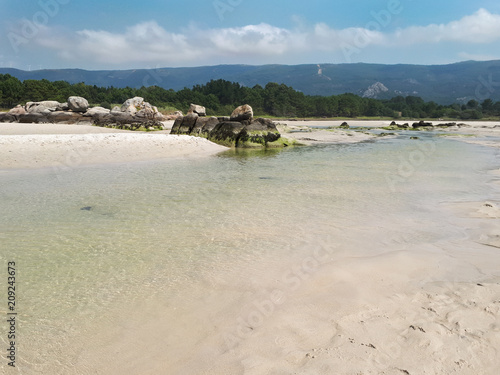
126 34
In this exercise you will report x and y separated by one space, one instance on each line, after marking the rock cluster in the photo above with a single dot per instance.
133 114
238 130
421 125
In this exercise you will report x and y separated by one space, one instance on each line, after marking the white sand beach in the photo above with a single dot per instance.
48 145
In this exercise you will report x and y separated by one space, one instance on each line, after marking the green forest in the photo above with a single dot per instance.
220 97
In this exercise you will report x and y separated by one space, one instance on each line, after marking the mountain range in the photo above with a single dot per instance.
444 84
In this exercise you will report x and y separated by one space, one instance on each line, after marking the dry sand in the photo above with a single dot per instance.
51 145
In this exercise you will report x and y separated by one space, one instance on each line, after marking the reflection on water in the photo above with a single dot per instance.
91 239
242 153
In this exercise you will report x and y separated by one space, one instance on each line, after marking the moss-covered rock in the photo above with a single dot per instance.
247 133
257 138
226 133
260 133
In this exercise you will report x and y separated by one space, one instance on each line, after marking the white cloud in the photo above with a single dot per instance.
149 43
143 42
478 28
261 39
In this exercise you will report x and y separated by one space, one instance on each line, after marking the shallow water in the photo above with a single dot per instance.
96 244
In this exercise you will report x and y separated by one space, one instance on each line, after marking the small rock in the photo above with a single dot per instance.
78 104
242 113
136 102
198 109
17 110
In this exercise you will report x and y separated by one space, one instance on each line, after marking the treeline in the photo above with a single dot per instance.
221 97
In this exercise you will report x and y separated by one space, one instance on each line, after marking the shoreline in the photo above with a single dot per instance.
25 146
47 145
376 123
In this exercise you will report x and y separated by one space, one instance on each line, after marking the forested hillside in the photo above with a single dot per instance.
221 97
444 84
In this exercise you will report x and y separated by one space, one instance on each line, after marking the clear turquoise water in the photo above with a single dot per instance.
157 229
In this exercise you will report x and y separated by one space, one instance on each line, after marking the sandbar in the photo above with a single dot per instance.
53 145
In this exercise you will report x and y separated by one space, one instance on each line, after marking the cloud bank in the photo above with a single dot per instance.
150 43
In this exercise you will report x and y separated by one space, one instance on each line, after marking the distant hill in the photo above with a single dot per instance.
444 84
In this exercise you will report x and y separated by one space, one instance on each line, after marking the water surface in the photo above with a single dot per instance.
95 245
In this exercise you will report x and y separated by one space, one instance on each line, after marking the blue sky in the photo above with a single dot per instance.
132 34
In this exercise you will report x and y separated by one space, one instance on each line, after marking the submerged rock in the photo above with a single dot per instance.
396 126
447 125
